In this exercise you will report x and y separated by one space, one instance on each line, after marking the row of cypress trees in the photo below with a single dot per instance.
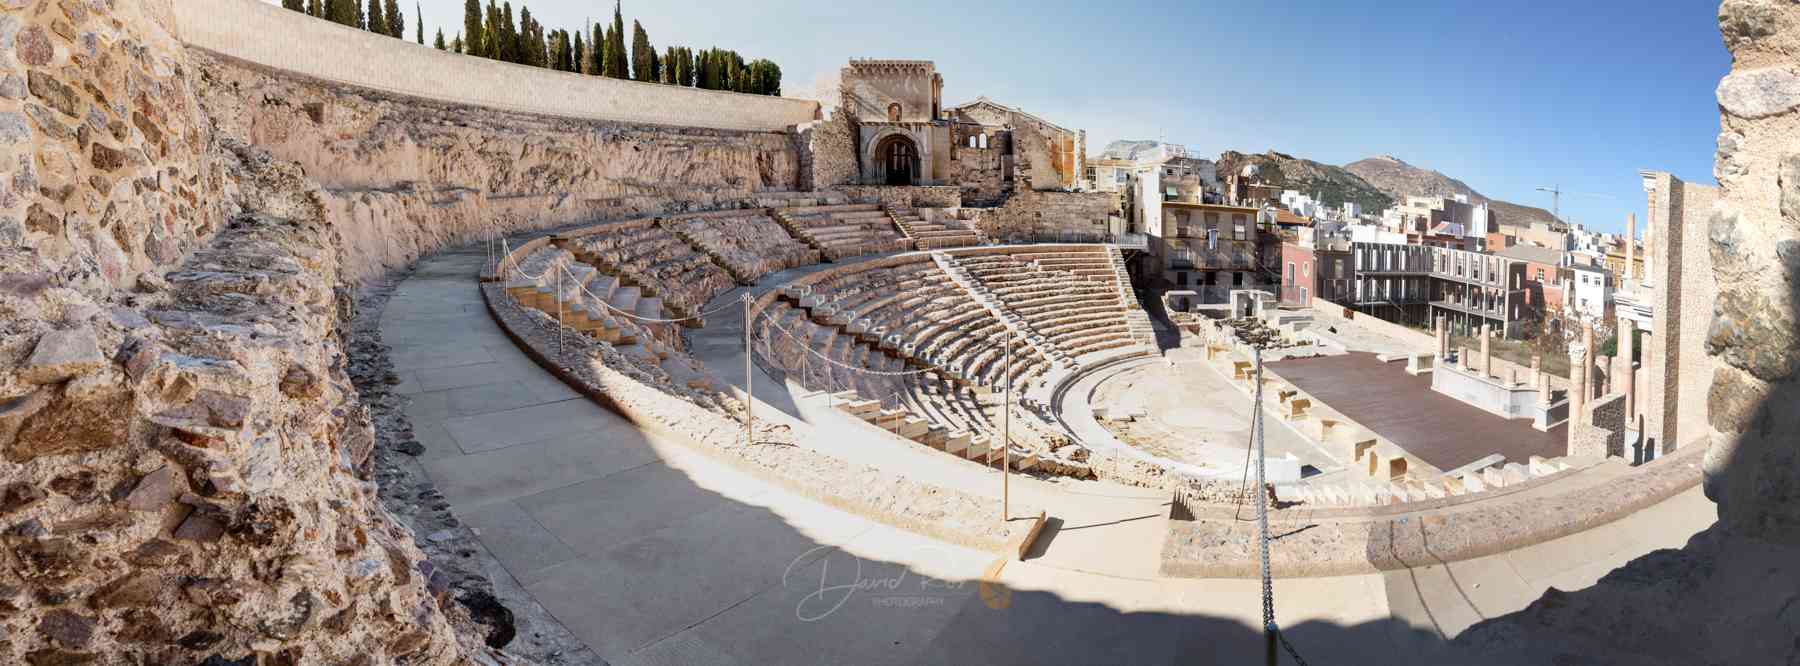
492 32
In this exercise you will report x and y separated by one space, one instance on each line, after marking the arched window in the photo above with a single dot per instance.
984 141
971 142
894 112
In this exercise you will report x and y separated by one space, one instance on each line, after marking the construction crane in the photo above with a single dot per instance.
1555 200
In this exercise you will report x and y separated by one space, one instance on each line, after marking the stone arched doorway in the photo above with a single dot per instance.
899 160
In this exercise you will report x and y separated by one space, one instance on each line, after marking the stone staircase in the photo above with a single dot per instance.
1135 316
930 235
843 231
1059 359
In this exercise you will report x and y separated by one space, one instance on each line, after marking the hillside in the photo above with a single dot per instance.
1397 179
1331 184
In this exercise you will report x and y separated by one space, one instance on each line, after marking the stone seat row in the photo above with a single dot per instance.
839 232
928 235
650 257
748 244
796 344
588 302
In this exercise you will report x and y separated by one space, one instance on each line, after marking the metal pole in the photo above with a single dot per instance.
559 318
1262 515
749 378
1006 438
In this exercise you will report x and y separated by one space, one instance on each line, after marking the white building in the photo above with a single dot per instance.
1588 292
1352 210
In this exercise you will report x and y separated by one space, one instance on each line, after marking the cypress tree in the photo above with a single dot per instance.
606 54
296 5
456 44
376 23
619 61
668 68
580 55
394 20
469 40
313 8
643 55
509 34
596 53
523 39
439 42
419 21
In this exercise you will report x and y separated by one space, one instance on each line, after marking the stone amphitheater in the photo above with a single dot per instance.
441 361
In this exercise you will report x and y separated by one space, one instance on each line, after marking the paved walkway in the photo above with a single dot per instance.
652 554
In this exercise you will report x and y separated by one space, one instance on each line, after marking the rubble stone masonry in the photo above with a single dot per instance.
183 461
1753 465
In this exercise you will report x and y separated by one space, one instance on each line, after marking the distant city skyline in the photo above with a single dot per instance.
1505 98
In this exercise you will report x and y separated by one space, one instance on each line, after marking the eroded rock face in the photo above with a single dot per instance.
404 176
181 452
1753 466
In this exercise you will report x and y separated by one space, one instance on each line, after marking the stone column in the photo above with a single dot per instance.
1443 339
1468 359
1487 354
1541 380
1577 395
1630 249
1627 370
1587 361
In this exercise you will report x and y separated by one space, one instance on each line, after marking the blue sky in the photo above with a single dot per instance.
1507 96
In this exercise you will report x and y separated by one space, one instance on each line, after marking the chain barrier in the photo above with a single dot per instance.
880 373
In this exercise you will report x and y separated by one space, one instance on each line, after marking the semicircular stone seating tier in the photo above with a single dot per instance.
857 332
1069 295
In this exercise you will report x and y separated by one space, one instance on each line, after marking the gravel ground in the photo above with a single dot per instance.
509 617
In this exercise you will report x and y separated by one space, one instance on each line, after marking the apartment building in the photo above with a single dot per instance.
1211 249
1471 289
1315 265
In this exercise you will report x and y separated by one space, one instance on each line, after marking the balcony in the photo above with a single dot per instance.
1494 313
1190 259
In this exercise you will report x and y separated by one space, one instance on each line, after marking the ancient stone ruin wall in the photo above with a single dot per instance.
1030 215
928 196
827 153
404 177
981 174
266 34
108 171
182 458
1753 466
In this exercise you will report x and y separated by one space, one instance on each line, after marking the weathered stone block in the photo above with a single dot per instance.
60 355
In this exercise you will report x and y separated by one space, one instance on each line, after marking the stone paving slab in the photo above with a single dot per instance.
595 515
497 430
523 546
537 467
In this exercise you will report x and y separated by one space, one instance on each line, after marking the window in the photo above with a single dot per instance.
1212 240
1290 273
1238 221
1212 220
1306 270
1237 279
1118 175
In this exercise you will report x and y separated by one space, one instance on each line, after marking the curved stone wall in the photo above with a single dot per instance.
268 35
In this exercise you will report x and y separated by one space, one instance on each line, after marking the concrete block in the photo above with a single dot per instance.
1474 483
1515 473
1493 478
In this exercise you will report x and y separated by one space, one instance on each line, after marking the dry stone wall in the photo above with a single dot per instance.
406 176
1753 464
